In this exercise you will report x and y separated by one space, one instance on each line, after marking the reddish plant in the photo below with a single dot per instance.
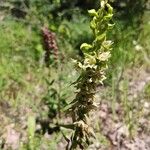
50 45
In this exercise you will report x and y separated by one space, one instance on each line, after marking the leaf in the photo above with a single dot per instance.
67 126
93 24
108 17
85 47
101 37
92 12
80 65
31 126
110 9
49 82
110 26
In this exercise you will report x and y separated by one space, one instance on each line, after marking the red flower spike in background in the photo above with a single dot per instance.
50 45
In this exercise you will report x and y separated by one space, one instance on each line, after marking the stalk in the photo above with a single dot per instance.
92 70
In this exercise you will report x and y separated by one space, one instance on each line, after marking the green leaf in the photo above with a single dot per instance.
110 26
85 47
110 9
108 17
31 126
92 12
101 37
93 24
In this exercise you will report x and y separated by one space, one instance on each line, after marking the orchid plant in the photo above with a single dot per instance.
92 69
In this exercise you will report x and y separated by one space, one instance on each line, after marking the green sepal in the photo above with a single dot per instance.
85 47
92 12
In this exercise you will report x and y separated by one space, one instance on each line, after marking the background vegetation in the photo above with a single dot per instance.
34 96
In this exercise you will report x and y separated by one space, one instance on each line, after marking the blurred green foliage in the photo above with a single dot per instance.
18 39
